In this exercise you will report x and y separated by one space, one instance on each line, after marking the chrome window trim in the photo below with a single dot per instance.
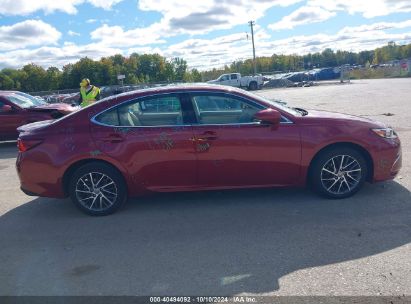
93 118
287 121
178 126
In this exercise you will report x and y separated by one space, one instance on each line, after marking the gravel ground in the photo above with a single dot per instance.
254 242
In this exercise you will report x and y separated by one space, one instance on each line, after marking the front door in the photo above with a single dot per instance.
9 121
234 150
234 80
152 137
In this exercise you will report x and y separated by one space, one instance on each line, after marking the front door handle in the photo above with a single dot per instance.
113 138
208 135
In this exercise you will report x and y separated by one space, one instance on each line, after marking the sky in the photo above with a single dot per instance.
206 33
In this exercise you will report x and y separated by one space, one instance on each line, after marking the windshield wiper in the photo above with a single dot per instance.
302 111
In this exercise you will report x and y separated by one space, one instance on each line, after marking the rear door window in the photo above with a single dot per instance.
153 111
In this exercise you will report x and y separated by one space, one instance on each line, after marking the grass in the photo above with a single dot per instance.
388 72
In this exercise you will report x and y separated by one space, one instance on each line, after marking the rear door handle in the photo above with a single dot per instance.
113 138
207 138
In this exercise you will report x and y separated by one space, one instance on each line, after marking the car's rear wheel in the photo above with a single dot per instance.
338 172
253 86
97 189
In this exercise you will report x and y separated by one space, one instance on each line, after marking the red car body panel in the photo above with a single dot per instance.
10 121
249 156
167 158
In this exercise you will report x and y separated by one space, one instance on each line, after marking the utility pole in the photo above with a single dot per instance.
252 23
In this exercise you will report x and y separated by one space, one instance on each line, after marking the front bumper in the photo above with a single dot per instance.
27 192
387 161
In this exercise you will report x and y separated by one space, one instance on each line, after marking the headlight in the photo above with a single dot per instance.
385 132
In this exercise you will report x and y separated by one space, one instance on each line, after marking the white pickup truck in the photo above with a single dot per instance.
236 80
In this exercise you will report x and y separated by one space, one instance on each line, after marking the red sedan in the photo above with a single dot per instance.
187 138
18 108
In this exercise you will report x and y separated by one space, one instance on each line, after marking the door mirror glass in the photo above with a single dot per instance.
269 116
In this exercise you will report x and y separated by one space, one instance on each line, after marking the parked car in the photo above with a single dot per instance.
18 108
236 80
201 137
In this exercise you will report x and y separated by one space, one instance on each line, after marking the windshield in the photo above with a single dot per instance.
24 100
276 104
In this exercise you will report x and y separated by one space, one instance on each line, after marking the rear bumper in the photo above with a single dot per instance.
37 178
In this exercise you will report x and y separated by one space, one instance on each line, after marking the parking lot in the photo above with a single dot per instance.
255 242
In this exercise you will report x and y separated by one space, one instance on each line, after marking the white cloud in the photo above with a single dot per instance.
105 4
91 20
198 17
71 33
303 15
27 33
116 36
25 7
368 8
54 56
321 10
206 54
185 17
380 26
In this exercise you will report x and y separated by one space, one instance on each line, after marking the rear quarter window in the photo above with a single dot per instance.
109 117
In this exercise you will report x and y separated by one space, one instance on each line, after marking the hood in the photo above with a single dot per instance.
61 107
316 116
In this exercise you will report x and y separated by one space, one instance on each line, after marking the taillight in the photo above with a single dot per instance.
26 144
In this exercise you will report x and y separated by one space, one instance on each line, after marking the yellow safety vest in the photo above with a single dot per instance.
90 97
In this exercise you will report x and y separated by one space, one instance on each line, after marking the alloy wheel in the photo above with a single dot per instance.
341 174
96 191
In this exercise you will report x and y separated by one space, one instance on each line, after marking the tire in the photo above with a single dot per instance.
253 86
109 194
338 172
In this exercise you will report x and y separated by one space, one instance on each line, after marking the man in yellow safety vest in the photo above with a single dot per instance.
88 93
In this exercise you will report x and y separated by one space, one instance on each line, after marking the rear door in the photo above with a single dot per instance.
235 150
152 138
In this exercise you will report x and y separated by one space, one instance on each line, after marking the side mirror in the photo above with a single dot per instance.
6 108
269 116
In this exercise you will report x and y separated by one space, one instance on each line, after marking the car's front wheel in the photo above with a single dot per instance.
338 172
97 189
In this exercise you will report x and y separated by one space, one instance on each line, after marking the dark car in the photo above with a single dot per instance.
203 137
18 108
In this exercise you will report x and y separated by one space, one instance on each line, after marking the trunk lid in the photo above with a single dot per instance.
34 126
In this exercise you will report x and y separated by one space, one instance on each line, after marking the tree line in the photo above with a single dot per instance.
146 68
154 68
